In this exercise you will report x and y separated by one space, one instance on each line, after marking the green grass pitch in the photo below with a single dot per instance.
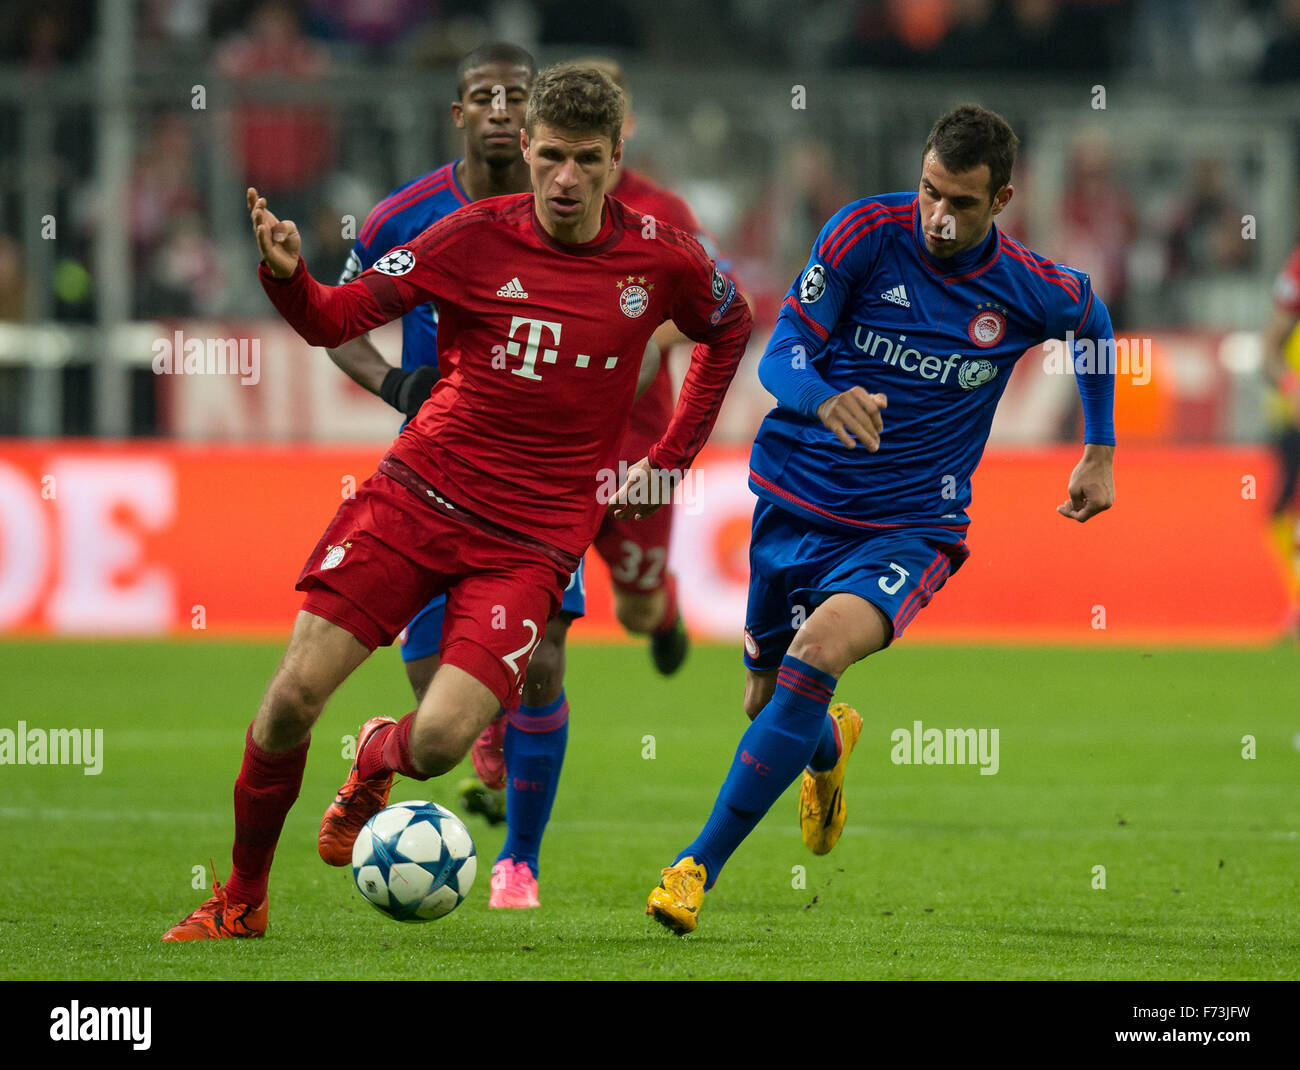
1127 759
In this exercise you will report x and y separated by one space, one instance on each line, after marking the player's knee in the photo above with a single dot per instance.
545 673
830 653
433 755
639 614
293 700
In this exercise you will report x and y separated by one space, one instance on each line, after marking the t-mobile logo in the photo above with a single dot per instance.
534 347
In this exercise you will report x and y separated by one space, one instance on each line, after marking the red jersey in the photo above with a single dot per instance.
540 343
654 408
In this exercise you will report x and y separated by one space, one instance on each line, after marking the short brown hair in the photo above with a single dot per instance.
969 136
613 69
571 97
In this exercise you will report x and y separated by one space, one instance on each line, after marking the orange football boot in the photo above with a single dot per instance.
220 919
355 804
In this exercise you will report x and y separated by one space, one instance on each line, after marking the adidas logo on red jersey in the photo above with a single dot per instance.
513 289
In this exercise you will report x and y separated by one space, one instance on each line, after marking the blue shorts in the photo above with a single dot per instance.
795 566
423 636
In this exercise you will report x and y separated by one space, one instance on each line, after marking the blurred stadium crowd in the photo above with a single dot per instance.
328 104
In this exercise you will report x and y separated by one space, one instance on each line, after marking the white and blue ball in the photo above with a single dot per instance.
415 861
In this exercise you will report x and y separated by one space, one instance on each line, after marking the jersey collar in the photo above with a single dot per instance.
967 265
611 233
456 187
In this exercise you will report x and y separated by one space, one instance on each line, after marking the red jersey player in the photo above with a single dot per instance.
481 496
645 591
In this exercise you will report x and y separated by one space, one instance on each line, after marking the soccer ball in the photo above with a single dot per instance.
415 861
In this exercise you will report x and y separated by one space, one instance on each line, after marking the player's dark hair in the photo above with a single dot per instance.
969 136
570 97
490 55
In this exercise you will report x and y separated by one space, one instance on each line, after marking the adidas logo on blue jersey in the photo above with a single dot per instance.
898 295
513 289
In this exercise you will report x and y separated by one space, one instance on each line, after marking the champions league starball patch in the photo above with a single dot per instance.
398 262
813 284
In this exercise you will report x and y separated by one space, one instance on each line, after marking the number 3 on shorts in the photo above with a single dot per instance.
892 588
525 651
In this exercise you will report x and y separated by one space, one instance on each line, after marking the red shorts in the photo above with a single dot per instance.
386 553
636 551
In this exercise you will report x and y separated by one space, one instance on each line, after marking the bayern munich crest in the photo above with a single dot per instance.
334 556
633 298
398 262
987 327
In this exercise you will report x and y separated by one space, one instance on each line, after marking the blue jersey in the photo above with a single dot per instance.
396 220
938 337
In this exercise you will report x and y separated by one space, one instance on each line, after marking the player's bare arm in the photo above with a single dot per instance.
361 362
278 241
366 366
1092 484
854 416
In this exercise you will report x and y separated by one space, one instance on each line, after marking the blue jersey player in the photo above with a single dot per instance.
493 88
890 354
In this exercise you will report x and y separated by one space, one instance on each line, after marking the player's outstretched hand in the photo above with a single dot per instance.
645 491
278 241
1092 484
854 414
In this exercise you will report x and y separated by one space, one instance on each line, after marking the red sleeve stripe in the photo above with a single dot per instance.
681 240
816 328
858 215
857 235
389 206
1084 318
848 233
1066 282
434 237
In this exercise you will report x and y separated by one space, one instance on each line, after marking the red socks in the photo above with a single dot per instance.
389 751
265 789
669 621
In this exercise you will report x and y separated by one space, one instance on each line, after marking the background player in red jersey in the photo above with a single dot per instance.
479 497
645 589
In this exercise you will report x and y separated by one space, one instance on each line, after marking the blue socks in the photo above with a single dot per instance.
535 740
828 748
779 742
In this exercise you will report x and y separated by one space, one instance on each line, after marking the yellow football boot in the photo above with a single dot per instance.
821 797
676 903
